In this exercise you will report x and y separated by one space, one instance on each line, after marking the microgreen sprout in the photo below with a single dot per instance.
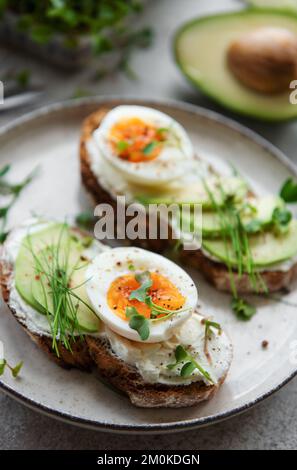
13 191
157 312
61 302
288 191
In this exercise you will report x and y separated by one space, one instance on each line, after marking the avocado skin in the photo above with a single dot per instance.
258 113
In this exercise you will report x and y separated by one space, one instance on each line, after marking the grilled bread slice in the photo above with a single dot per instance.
93 352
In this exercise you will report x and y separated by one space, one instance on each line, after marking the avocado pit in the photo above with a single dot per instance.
264 60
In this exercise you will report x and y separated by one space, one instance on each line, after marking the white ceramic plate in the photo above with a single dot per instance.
49 138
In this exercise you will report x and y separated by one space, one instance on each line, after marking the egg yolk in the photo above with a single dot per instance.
163 293
135 141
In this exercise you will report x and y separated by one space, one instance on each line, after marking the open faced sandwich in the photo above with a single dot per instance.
249 243
129 312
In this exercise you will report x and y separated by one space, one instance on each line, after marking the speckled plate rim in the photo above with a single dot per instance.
207 114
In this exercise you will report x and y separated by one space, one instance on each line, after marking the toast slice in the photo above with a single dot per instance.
96 352
214 271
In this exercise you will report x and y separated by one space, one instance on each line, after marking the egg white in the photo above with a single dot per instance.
170 164
108 266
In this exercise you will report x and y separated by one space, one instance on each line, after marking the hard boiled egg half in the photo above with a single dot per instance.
145 145
113 278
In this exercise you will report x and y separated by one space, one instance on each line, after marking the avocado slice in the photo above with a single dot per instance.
262 212
24 265
30 246
201 48
76 269
267 248
280 4
197 193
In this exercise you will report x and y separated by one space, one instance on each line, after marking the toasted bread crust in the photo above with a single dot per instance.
215 272
78 358
126 378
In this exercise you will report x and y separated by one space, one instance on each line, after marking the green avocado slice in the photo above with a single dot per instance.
77 308
262 212
267 248
24 265
200 50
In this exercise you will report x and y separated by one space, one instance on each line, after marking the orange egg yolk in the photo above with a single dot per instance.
163 293
135 141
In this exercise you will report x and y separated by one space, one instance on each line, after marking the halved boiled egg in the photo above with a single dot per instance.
132 281
147 146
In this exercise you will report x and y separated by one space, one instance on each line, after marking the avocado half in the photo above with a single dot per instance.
200 48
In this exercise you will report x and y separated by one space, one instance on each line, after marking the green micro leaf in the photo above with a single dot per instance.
162 130
4 170
149 148
288 191
4 211
122 145
209 323
243 310
15 370
180 354
253 226
188 364
23 78
138 323
146 282
187 369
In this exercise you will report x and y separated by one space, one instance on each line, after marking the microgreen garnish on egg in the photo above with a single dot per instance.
145 282
288 191
149 148
122 145
158 313
188 364
138 322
